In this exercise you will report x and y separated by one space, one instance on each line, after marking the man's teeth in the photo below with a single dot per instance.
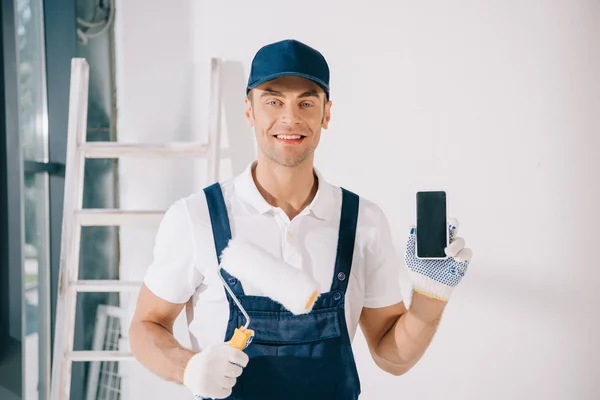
289 137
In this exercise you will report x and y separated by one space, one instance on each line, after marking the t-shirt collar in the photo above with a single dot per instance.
246 190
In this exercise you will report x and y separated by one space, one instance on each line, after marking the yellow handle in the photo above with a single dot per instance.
311 301
241 338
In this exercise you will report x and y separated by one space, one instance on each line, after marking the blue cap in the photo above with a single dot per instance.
288 57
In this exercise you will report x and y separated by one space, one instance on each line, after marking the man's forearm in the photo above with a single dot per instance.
405 343
156 348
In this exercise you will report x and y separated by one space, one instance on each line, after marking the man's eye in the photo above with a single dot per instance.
306 104
273 103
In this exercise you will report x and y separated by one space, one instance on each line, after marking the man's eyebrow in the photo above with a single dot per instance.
270 92
311 93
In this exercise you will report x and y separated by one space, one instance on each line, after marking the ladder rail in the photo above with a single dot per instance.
65 311
214 127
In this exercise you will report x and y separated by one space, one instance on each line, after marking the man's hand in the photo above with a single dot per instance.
438 278
213 372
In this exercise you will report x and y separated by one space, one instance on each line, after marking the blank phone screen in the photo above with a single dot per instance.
431 224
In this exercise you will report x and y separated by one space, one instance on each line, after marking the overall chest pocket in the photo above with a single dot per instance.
279 328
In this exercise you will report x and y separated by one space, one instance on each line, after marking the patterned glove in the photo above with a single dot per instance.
438 278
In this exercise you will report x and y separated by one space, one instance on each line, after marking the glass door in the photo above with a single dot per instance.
33 132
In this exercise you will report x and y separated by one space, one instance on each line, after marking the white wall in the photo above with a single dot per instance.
495 102
154 70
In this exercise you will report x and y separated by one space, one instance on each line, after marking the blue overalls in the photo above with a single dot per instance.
294 356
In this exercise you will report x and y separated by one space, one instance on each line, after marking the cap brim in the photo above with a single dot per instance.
291 73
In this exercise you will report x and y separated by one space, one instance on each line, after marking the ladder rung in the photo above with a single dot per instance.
111 217
116 149
100 285
101 355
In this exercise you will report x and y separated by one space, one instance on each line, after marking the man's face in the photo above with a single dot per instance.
287 115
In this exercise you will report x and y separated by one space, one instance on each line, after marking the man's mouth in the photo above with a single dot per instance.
289 138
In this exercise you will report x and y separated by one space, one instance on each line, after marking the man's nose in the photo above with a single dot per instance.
291 114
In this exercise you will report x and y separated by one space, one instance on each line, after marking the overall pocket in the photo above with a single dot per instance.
287 328
293 357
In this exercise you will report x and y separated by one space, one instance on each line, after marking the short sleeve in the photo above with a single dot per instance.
382 275
173 275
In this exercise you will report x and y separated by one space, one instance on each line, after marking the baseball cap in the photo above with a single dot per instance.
288 57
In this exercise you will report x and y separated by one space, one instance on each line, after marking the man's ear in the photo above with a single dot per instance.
248 113
327 115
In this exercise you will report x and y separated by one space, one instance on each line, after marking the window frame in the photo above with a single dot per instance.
60 46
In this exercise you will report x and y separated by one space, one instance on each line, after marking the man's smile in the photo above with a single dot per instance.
289 138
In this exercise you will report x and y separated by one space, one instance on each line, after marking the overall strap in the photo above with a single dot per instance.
221 231
346 239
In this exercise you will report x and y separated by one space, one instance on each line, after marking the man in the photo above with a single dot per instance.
282 204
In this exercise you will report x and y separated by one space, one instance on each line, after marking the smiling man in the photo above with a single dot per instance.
283 205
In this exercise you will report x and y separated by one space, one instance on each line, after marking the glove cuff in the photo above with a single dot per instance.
192 371
430 287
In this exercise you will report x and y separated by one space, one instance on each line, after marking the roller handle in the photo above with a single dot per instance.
242 337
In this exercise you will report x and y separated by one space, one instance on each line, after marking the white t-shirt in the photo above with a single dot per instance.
184 268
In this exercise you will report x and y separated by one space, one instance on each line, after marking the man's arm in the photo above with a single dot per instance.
398 338
151 337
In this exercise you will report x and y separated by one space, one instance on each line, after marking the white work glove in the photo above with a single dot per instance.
214 371
438 278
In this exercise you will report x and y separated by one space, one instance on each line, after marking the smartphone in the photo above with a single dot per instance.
432 234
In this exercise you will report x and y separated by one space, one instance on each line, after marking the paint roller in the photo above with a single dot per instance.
291 287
